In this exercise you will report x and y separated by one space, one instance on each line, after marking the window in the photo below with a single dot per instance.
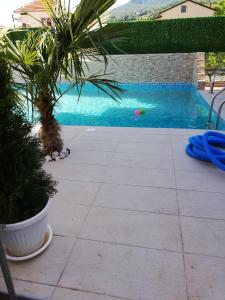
46 21
49 22
184 8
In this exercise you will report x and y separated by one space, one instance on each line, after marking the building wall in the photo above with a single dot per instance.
178 67
31 19
193 10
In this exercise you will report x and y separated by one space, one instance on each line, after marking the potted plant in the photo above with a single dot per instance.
25 187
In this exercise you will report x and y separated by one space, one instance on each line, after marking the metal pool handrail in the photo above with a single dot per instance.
219 114
212 104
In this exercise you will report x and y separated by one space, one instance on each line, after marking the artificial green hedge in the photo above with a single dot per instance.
21 34
170 36
162 36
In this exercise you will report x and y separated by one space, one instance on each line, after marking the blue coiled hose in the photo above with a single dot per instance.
207 147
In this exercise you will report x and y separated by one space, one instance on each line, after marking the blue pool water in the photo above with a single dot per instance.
165 105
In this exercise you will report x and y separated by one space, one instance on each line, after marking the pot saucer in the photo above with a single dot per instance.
48 239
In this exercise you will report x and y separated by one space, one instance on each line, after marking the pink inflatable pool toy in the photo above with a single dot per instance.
137 113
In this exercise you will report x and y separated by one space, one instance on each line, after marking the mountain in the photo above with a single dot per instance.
136 6
139 5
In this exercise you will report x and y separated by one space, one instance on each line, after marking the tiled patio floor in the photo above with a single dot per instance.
135 218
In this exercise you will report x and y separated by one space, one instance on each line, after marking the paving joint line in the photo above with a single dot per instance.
93 292
129 245
141 186
55 286
181 233
155 212
136 210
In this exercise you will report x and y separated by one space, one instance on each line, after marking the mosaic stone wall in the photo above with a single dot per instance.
199 76
179 67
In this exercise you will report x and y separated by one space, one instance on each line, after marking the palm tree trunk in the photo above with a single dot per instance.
50 129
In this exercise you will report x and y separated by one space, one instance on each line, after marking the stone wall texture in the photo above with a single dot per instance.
178 67
199 71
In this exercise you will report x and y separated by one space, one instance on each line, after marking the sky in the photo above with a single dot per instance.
8 6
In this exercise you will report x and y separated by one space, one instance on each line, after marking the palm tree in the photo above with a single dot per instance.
61 50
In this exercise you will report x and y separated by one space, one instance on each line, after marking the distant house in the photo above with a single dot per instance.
33 14
186 9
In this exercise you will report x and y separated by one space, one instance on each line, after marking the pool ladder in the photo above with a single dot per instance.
209 122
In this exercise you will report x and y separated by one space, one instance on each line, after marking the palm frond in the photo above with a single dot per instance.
64 51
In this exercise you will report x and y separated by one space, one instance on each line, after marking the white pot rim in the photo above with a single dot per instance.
34 254
20 225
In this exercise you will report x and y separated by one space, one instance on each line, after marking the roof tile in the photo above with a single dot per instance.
36 5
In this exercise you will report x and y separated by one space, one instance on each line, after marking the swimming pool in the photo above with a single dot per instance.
164 105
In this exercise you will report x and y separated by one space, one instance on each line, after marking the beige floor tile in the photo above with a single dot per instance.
48 267
202 204
206 277
187 132
82 172
178 140
153 161
90 157
184 162
203 236
212 181
102 129
140 176
30 289
133 228
68 132
99 136
126 272
68 294
76 192
65 219
144 148
146 138
93 145
146 131
137 198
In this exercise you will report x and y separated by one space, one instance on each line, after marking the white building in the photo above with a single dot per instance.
186 9
33 14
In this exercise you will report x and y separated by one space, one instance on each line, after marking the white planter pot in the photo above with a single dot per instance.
24 238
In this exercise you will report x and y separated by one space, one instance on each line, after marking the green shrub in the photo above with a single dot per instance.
169 36
24 186
220 7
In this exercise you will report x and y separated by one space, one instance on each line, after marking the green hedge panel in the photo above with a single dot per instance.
162 36
170 36
18 35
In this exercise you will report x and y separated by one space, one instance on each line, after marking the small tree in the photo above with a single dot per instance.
50 53
215 63
24 186
220 8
